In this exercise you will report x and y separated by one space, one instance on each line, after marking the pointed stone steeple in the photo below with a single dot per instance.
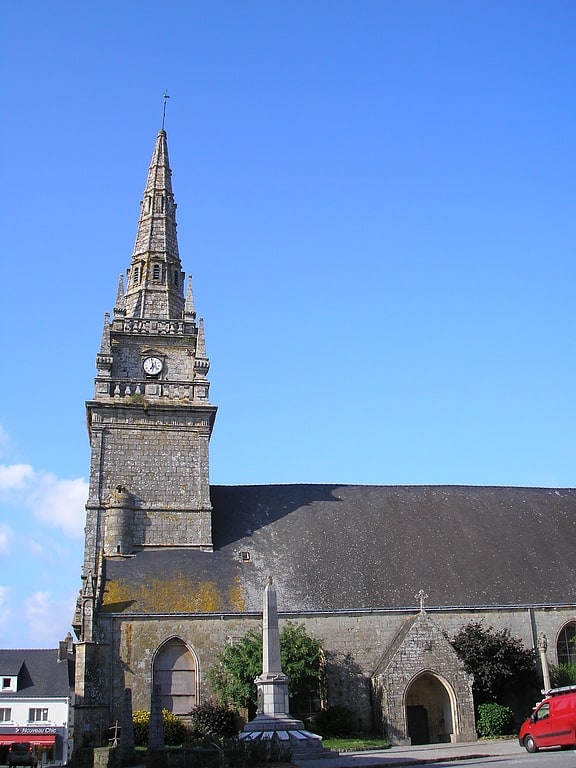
152 366
155 287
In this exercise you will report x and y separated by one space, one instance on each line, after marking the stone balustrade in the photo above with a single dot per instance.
132 391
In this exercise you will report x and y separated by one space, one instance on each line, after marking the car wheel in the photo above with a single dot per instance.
530 744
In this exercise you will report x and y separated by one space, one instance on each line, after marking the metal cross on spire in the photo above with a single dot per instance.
165 98
421 596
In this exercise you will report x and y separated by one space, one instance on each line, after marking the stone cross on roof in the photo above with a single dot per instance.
421 596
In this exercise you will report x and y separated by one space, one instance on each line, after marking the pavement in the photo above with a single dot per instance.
417 755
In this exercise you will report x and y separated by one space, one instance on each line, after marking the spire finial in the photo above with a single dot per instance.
421 595
165 98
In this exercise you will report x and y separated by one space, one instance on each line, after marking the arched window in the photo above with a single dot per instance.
156 272
566 646
175 673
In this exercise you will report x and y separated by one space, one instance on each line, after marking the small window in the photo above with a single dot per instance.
176 279
6 682
156 272
136 275
5 714
37 714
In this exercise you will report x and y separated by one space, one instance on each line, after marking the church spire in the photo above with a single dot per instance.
155 287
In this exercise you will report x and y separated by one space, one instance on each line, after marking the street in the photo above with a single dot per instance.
556 759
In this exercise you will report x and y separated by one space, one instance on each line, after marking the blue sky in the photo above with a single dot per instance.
376 203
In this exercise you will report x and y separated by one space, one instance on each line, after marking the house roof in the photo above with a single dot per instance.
40 674
350 547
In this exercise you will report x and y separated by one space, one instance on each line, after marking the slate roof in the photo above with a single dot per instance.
40 674
350 547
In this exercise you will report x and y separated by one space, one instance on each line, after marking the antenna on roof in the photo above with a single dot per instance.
165 98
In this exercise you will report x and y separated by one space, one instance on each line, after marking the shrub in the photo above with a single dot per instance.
563 674
334 723
498 661
175 731
494 720
214 721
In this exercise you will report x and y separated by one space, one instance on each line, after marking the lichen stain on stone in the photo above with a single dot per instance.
179 594
236 595
127 640
116 592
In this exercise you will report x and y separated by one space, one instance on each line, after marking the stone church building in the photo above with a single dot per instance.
175 568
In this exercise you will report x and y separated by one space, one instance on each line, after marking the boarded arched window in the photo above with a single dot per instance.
566 645
175 673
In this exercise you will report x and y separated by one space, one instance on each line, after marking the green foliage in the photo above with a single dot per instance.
563 674
232 679
175 732
355 744
494 720
301 659
216 721
497 660
238 665
335 722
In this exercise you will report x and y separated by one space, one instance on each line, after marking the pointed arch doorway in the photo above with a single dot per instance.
429 710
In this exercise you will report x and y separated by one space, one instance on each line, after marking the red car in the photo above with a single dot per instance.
553 721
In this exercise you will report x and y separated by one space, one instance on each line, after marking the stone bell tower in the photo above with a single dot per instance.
150 419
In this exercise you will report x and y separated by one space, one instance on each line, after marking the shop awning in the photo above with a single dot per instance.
45 739
39 738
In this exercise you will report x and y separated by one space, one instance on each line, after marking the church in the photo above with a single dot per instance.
174 568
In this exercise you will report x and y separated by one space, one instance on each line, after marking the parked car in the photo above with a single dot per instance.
553 721
22 753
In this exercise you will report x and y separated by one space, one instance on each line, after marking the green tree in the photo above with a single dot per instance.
232 678
498 661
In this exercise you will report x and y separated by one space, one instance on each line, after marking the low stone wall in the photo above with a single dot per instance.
191 758
99 757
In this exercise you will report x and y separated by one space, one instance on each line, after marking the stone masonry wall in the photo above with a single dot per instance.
354 645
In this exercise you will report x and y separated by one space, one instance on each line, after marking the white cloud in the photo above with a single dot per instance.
5 610
52 500
13 477
48 619
60 503
35 548
5 536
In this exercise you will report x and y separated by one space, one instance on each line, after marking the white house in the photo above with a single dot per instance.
36 698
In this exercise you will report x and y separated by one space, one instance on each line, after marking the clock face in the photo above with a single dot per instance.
152 365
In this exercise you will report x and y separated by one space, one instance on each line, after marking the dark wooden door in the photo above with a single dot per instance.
418 729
